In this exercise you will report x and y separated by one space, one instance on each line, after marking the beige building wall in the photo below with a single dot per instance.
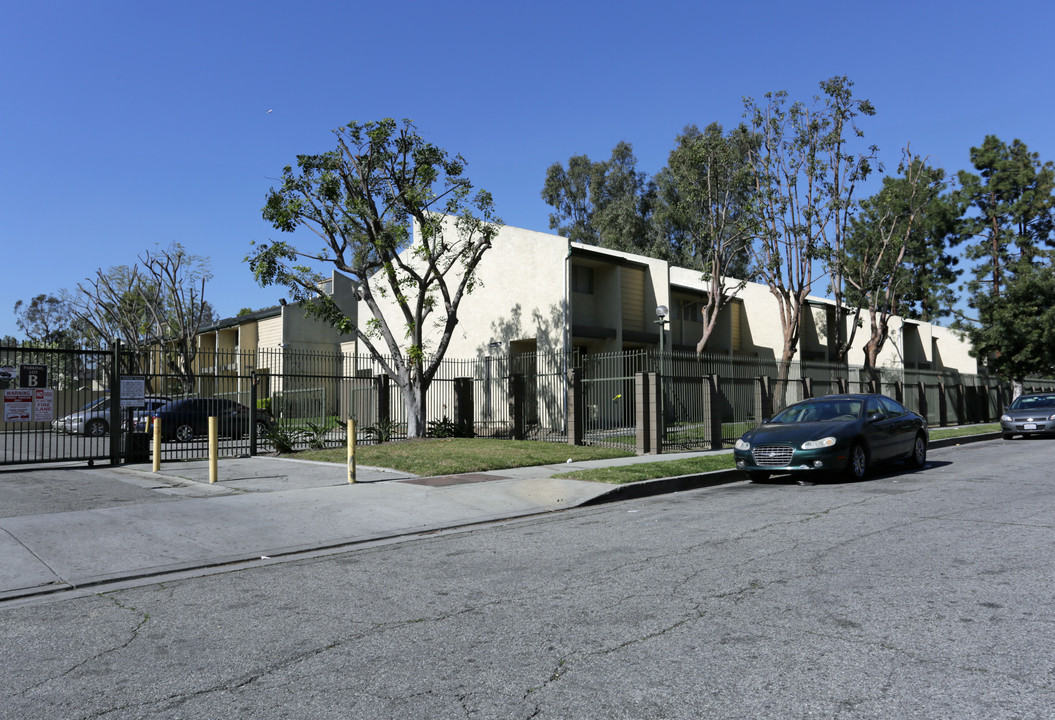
517 301
518 306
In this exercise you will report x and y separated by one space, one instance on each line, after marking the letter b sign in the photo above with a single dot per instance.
33 376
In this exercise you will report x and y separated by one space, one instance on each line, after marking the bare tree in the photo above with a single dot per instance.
174 296
156 305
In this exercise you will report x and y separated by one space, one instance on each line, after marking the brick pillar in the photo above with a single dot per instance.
576 408
647 414
643 445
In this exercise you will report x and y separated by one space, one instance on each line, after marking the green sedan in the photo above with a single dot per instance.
833 434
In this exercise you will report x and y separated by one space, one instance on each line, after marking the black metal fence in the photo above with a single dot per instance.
307 396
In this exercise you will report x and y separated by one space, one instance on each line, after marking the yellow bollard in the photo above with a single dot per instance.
214 447
351 450
157 444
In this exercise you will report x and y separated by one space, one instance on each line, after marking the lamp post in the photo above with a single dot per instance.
661 320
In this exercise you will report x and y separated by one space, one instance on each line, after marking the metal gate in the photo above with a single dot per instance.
65 405
58 406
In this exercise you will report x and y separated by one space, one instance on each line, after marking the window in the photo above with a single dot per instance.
892 408
582 279
691 310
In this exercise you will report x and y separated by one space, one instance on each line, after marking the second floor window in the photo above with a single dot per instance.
582 279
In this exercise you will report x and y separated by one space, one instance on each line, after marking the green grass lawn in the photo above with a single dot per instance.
450 456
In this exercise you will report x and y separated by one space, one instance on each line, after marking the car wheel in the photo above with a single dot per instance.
857 467
261 428
757 476
96 428
184 433
918 458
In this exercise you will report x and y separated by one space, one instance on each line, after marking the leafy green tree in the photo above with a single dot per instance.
1007 224
568 192
45 320
895 255
1008 212
1017 338
805 179
704 211
603 203
398 214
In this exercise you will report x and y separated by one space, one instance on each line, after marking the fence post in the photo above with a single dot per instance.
464 420
657 423
115 406
516 405
713 413
921 392
383 414
807 388
943 412
576 411
641 414
252 416
961 412
841 383
763 398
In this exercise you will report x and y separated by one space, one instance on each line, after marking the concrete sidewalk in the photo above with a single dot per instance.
264 508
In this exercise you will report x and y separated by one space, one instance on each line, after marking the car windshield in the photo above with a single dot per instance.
1032 402
825 411
97 404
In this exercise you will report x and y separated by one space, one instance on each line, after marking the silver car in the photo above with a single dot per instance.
1027 415
94 418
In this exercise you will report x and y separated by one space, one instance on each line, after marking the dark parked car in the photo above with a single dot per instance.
835 433
1032 414
187 419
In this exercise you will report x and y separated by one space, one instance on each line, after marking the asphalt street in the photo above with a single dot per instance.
923 594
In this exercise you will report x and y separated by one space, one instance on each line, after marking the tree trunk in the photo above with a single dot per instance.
780 393
414 393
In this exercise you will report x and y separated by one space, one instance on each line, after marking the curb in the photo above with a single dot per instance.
679 483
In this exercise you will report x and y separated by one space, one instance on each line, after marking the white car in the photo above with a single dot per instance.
93 419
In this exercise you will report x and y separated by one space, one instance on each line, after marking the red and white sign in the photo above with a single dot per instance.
18 405
43 405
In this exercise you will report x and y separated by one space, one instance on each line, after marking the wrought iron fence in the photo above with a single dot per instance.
308 395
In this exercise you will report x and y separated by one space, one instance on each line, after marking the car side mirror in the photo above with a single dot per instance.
876 417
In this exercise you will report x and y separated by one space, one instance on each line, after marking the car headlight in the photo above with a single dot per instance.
816 444
742 444
1005 418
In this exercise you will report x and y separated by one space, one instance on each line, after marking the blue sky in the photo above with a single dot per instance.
125 125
